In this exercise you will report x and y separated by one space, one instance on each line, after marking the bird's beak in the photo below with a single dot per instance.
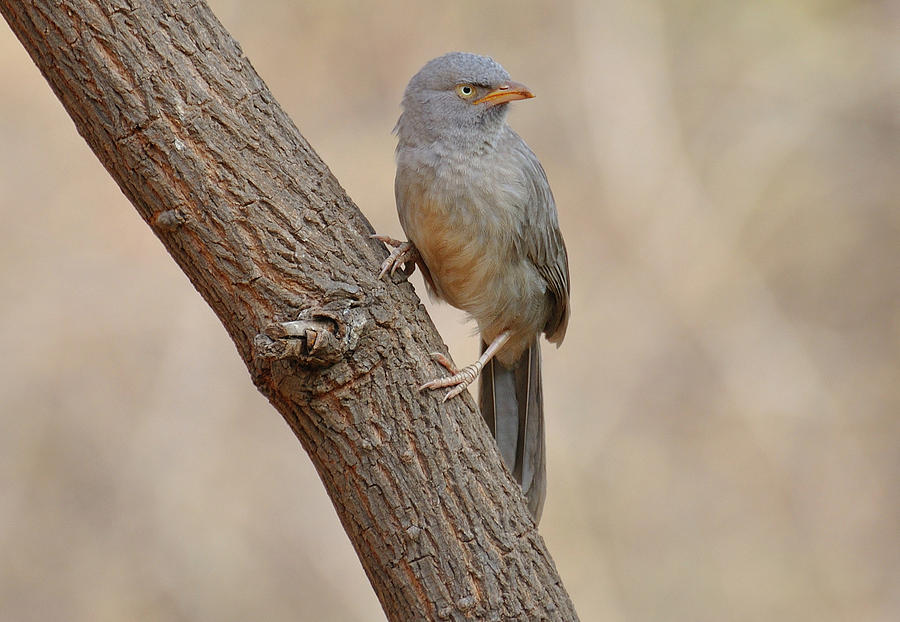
506 92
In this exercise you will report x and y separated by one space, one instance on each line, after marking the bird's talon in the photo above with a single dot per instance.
444 362
404 253
431 384
459 381
455 391
386 239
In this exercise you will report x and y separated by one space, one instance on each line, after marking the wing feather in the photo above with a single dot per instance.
543 242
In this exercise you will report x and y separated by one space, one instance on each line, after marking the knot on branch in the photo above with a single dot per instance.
169 220
318 338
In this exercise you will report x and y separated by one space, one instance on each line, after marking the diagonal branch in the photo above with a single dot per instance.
180 119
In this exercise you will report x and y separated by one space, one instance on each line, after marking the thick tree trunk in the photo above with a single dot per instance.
180 119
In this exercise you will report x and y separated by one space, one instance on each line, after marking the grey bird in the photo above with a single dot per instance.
481 225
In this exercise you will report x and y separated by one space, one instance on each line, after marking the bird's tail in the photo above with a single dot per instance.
512 404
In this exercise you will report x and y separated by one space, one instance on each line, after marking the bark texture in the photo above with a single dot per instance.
180 119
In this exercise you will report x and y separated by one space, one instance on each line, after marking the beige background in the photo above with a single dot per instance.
723 418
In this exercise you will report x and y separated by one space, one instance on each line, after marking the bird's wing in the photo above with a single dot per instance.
542 240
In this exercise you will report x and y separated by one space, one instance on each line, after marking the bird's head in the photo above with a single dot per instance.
457 97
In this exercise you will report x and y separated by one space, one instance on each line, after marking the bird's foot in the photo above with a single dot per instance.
444 362
404 254
459 380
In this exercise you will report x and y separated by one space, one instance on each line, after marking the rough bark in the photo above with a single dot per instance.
180 119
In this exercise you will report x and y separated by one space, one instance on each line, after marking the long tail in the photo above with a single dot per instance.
512 404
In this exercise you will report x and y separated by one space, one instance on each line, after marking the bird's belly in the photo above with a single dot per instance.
461 261
475 267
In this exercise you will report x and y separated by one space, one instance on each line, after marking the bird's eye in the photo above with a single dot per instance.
465 90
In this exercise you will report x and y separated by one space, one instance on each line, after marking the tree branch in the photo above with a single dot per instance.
180 119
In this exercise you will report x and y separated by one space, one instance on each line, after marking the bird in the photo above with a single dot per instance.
482 226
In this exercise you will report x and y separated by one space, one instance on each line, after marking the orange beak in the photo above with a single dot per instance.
506 92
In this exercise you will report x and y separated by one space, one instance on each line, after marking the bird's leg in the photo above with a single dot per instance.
403 254
467 375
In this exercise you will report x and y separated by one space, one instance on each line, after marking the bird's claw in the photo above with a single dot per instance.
444 362
386 239
403 255
460 380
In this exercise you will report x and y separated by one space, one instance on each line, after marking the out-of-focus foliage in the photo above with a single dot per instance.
723 418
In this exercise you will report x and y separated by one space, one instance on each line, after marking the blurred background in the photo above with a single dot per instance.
723 432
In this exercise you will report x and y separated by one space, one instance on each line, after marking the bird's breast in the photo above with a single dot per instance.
454 240
468 226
